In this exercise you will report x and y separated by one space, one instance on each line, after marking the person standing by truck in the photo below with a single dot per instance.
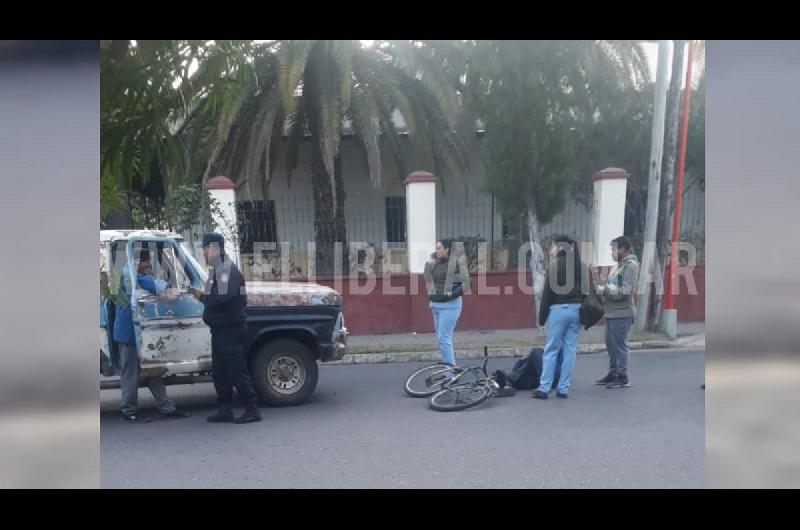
225 302
126 345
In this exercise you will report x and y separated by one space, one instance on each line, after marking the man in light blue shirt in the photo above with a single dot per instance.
126 344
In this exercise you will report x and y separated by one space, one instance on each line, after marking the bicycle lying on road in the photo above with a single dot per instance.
453 388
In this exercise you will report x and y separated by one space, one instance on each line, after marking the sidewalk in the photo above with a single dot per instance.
408 347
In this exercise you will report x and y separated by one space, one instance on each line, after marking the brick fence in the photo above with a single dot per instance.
378 310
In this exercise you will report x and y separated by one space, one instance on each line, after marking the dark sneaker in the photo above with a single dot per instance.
538 394
562 395
223 415
177 413
619 382
135 418
606 380
249 416
506 392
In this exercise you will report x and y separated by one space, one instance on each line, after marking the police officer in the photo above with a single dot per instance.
225 304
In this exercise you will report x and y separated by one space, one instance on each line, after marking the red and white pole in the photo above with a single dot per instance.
672 273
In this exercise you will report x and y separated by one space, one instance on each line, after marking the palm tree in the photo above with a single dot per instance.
319 89
537 97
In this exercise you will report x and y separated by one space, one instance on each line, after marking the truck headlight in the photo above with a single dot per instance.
339 331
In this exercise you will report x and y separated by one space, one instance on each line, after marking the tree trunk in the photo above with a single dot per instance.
514 240
329 220
667 206
537 260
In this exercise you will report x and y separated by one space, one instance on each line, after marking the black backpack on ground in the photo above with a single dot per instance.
526 372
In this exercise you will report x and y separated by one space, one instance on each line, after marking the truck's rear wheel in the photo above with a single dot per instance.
284 372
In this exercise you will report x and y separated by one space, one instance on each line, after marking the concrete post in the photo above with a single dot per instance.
653 189
420 219
224 191
610 187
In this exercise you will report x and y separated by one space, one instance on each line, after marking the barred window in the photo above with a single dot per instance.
256 223
395 219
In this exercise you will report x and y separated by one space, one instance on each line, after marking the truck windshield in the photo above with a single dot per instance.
178 270
170 269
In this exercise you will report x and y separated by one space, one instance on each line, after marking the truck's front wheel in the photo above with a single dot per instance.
284 372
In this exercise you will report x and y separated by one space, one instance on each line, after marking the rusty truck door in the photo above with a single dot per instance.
168 330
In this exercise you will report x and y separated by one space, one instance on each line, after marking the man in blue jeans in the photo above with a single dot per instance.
617 296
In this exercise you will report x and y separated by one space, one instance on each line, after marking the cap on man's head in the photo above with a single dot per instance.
214 238
144 255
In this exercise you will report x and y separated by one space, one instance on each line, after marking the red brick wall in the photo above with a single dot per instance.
379 311
692 308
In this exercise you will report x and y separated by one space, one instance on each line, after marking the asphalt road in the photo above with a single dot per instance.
361 431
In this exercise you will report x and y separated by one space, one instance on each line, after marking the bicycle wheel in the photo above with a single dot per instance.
460 397
426 381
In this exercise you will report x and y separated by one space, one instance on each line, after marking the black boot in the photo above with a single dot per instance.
606 380
223 415
621 381
250 415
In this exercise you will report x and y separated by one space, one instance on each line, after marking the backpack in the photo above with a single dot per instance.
526 372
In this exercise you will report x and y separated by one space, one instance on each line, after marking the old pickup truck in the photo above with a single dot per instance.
291 326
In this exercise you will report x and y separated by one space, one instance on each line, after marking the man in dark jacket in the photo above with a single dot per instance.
225 301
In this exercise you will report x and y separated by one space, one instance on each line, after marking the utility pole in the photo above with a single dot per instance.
670 313
653 187
667 197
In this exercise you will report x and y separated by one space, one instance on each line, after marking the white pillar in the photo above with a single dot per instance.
420 219
224 191
610 186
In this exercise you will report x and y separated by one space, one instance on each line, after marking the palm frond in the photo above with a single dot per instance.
292 59
342 52
422 62
366 125
297 132
328 108
259 144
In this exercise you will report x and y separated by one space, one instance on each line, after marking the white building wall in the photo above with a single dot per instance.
462 208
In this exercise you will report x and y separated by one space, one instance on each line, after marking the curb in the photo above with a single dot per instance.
498 353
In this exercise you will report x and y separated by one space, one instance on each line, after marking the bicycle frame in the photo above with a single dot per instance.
460 372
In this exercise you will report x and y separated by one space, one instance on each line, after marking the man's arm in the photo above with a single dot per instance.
428 271
151 284
625 284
